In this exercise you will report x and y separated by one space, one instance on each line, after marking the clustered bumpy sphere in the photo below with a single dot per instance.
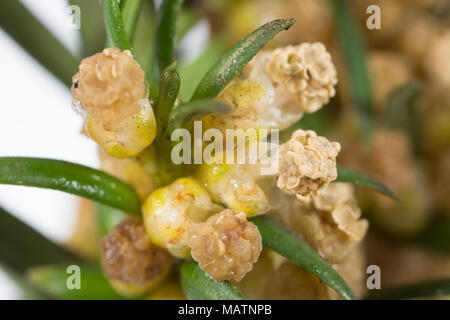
108 78
226 245
277 87
333 228
306 163
331 222
110 91
306 71
338 203
130 261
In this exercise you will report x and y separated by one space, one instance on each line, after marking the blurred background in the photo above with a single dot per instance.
36 120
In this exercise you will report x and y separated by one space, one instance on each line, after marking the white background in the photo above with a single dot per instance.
36 120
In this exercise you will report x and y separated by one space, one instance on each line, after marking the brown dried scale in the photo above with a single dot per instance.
306 163
130 261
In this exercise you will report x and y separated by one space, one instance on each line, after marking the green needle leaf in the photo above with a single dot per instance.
166 35
232 62
28 32
169 87
353 49
183 115
197 285
130 13
21 247
276 238
114 25
363 180
431 289
53 280
69 177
